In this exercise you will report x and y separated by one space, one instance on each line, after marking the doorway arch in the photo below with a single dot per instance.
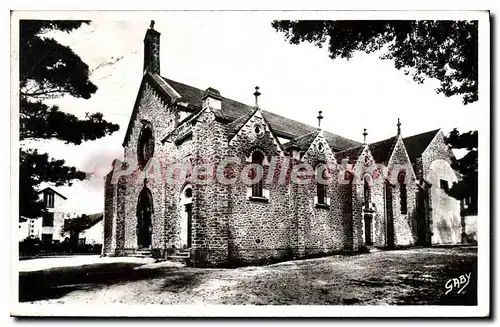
186 208
144 218
367 210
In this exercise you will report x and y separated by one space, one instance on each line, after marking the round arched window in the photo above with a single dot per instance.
321 147
146 146
402 177
258 130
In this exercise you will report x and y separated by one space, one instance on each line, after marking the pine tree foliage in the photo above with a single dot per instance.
48 69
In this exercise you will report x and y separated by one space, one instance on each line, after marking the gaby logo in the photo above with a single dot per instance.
458 283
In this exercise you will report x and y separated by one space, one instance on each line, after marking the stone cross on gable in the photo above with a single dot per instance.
319 118
364 135
257 94
399 127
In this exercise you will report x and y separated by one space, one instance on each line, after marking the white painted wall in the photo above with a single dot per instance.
23 231
446 221
95 234
471 228
59 211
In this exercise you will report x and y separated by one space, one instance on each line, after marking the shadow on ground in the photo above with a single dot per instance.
57 282
399 277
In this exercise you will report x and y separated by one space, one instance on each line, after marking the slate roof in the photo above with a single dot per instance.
50 189
232 110
82 223
382 150
352 154
237 124
303 142
416 144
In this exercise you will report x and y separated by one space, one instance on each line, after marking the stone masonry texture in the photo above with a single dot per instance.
229 225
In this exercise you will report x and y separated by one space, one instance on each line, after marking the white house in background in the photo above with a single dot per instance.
95 234
90 228
50 226
24 228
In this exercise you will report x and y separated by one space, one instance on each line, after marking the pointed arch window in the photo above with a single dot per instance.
348 176
403 192
321 176
146 145
366 192
257 187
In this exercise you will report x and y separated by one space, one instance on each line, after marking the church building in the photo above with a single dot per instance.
311 192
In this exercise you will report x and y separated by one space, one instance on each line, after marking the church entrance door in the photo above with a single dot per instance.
186 203
389 215
189 212
144 218
368 229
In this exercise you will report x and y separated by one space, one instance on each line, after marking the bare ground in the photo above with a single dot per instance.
402 277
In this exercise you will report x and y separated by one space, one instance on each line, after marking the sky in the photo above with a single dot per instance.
233 52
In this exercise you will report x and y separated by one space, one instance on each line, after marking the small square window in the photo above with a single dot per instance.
48 199
48 219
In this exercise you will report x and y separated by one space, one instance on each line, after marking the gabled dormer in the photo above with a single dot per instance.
253 130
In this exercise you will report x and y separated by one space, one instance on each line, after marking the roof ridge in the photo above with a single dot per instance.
53 190
243 119
428 132
350 149
305 135
416 144
264 111
304 141
384 140
246 116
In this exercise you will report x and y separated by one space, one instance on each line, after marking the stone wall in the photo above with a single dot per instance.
364 160
405 224
358 241
259 229
229 227
325 227
108 247
158 112
179 158
210 198
120 213
379 233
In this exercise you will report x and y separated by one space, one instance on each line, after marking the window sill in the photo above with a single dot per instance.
258 199
322 206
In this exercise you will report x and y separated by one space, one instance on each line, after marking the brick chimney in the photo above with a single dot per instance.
212 99
152 50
